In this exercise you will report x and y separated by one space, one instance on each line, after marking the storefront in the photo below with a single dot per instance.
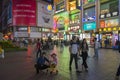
89 21
109 31
89 30
109 22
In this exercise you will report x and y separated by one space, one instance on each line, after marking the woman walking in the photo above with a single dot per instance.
84 49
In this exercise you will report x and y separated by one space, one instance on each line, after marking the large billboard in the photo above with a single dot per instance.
61 20
24 12
89 14
45 15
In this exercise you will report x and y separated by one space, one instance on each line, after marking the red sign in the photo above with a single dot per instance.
102 24
24 12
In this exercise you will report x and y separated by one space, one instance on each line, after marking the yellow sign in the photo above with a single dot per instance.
49 7
104 29
109 29
114 28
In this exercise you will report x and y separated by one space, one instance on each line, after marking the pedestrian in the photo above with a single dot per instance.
84 55
96 47
74 48
39 47
118 73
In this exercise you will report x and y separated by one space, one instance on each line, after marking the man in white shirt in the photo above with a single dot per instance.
74 48
96 47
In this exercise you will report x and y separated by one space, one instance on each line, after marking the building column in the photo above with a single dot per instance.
97 16
82 18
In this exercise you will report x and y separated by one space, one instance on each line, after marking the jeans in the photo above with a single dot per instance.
38 52
40 67
96 52
84 58
71 60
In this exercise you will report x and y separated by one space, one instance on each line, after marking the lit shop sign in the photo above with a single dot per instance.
89 26
45 29
75 18
22 28
109 15
109 23
60 7
102 23
112 23
49 7
78 6
72 5
89 19
75 28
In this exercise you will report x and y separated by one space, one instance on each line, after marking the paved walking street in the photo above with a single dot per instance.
20 66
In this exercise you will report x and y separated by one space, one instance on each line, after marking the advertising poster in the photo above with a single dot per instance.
75 17
112 23
45 16
89 14
102 24
61 20
78 6
24 12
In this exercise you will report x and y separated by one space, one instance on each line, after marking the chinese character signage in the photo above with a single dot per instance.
24 12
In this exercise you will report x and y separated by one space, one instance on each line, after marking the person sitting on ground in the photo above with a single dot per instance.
42 63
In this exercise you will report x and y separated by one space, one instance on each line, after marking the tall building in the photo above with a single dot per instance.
109 25
26 19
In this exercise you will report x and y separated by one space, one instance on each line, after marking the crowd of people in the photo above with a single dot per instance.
77 48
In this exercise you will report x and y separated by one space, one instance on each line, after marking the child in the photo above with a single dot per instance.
53 64
42 63
1 52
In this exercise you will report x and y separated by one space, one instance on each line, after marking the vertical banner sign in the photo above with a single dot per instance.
24 12
9 11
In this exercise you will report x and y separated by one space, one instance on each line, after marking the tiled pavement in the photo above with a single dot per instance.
20 66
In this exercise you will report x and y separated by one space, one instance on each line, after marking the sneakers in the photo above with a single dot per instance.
86 70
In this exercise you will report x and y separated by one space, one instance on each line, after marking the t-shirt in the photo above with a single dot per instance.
38 45
74 47
97 45
42 60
